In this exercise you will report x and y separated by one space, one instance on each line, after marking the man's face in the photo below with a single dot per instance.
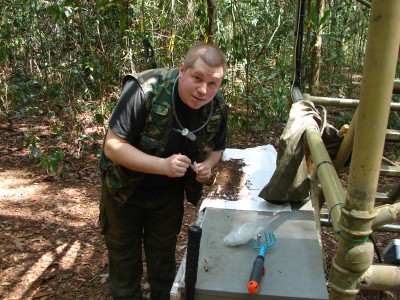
199 84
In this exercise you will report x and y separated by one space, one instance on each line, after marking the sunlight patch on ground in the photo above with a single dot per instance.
31 275
26 277
21 188
68 261
26 198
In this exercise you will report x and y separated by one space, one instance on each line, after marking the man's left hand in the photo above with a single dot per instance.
203 172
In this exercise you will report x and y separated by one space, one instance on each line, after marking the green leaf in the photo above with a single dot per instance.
53 166
43 163
54 128
99 118
78 128
55 12
60 155
314 15
325 18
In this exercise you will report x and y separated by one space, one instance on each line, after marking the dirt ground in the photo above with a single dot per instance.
51 247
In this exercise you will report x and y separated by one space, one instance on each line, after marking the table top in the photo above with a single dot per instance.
294 268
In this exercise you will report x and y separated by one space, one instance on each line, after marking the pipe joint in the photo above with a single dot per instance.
343 282
359 258
356 223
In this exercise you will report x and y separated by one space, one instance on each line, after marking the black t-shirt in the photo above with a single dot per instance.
129 117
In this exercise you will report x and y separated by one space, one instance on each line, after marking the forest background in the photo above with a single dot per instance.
61 65
63 61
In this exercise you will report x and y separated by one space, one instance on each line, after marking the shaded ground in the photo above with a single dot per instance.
50 242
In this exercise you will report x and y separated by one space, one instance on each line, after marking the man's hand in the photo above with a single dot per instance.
203 171
176 165
204 168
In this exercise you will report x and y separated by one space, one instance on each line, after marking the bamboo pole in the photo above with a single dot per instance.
381 278
331 186
354 255
386 214
396 86
342 102
365 3
347 145
394 194
395 228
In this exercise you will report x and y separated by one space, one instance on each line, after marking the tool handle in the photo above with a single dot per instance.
256 273
192 259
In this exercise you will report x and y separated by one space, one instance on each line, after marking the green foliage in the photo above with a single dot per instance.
315 24
63 61
53 163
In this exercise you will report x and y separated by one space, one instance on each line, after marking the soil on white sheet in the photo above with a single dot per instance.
228 179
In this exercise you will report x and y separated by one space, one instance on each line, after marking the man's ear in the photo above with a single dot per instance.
181 70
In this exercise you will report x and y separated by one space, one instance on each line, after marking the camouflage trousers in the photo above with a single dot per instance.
150 219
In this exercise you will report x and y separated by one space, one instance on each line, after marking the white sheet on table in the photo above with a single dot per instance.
260 165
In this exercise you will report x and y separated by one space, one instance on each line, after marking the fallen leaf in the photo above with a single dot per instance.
18 243
81 279
104 278
41 294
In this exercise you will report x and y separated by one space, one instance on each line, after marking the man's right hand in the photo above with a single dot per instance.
176 165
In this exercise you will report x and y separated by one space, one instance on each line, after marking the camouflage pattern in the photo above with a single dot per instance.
157 86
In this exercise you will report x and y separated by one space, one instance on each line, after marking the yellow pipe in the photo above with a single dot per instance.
381 278
347 145
373 111
386 214
345 103
330 182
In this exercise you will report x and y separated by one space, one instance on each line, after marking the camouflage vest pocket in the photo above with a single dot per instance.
158 120
155 129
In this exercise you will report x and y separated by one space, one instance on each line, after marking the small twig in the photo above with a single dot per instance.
193 166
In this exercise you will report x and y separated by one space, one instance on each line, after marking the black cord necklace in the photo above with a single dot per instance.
184 131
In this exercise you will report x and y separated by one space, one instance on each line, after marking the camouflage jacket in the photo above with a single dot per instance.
158 87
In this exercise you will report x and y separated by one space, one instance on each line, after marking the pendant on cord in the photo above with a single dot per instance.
190 135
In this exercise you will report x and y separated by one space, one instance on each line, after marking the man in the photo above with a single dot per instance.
167 132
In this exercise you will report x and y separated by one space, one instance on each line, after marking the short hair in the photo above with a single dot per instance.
209 53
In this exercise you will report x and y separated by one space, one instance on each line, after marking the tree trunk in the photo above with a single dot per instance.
211 8
316 52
